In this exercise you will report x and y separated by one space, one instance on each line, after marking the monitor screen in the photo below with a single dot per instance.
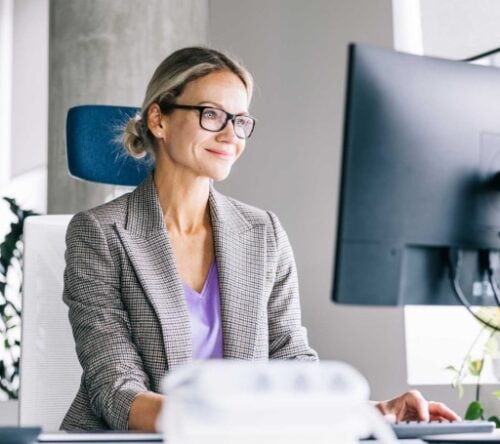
421 154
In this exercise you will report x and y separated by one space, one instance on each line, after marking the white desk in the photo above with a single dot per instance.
100 438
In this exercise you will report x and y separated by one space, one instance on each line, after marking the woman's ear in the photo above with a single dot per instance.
155 123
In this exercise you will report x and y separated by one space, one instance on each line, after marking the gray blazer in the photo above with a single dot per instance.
127 308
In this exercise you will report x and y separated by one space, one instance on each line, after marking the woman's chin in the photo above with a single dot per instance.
219 174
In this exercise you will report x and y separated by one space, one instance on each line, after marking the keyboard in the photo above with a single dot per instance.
417 429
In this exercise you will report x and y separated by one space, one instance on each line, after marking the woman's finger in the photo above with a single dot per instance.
438 409
417 402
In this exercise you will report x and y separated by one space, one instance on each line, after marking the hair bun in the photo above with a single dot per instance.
133 137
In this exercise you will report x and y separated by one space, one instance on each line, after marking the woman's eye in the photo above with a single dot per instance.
210 114
241 121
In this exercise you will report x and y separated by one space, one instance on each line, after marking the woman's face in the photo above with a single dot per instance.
192 149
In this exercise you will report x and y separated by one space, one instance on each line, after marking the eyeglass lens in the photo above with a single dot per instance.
214 119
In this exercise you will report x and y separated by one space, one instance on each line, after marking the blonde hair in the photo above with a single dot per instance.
168 82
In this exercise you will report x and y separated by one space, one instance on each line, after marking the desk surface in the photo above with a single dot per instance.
120 438
145 438
98 438
99 442
128 441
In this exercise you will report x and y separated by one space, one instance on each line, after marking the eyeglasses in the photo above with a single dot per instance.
215 119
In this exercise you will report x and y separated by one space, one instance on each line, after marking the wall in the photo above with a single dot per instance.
6 44
24 131
459 29
29 86
297 54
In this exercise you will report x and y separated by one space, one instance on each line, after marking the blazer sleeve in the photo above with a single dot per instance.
287 336
113 373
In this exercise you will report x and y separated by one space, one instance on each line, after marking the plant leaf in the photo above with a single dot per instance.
457 384
8 247
496 394
11 254
496 420
474 411
476 367
451 368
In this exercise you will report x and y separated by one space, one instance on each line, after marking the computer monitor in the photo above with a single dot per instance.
419 179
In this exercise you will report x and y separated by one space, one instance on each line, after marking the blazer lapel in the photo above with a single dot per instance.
240 255
146 242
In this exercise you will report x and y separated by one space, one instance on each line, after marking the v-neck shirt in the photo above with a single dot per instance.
205 316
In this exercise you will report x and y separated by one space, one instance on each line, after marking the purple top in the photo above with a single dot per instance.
204 313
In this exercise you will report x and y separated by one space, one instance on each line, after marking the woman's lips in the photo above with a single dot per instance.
220 154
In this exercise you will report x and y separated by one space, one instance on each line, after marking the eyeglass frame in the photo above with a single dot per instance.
165 107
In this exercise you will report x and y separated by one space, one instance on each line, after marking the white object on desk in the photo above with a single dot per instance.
288 402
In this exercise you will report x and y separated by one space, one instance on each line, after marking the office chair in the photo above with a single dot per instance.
94 153
50 372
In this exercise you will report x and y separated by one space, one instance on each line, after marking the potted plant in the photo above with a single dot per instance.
11 260
484 345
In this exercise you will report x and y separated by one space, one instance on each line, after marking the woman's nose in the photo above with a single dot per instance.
227 133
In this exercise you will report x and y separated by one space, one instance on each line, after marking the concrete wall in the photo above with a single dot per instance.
104 52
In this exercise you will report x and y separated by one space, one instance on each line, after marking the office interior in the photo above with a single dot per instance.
59 53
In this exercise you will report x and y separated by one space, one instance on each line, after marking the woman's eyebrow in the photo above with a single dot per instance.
218 105
209 102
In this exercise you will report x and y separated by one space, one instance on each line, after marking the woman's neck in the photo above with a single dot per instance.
183 201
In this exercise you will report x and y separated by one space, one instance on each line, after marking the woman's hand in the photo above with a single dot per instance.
144 412
412 406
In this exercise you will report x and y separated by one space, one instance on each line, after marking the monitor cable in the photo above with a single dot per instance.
493 264
454 264
480 56
489 261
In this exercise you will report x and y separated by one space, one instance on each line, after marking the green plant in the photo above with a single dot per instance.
473 364
11 253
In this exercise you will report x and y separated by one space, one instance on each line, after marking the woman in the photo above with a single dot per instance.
174 270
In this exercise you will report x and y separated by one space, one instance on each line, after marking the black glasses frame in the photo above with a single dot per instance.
200 108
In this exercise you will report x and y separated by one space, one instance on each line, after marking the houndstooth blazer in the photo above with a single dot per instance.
127 307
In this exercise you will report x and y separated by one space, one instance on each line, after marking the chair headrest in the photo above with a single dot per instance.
94 152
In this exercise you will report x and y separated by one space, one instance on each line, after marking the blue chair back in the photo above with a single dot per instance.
94 151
